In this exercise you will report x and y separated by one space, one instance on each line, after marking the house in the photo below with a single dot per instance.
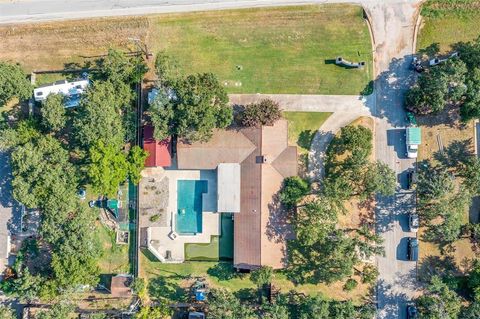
251 165
159 152
71 91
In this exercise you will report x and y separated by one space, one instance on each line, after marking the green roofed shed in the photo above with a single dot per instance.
414 136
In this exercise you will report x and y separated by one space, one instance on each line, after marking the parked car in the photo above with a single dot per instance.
413 222
411 179
412 312
412 251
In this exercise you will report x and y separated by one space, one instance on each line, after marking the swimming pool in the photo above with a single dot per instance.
189 206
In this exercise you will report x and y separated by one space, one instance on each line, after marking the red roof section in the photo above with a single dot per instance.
159 152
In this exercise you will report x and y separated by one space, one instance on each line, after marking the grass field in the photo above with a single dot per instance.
449 22
275 50
302 127
114 259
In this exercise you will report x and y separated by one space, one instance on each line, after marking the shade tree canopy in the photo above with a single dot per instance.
265 112
13 83
199 105
53 114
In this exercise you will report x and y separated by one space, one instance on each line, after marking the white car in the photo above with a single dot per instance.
413 222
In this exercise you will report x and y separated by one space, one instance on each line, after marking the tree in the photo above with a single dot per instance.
342 309
293 190
6 312
433 183
108 168
13 83
25 287
266 112
53 113
98 117
379 178
222 304
313 307
24 132
57 311
136 161
75 250
200 105
262 276
369 274
120 68
471 174
350 284
440 85
473 280
167 69
162 311
274 311
471 312
43 177
439 301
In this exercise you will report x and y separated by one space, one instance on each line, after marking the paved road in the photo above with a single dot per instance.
21 11
6 208
393 27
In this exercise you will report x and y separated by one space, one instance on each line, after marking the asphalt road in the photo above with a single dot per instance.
23 11
393 27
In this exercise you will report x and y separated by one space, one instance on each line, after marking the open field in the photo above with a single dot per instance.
176 278
276 50
302 127
449 22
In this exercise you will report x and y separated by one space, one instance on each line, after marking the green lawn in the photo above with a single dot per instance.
114 259
302 127
275 50
449 22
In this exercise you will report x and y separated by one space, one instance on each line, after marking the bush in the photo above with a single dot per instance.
350 284
267 112
155 218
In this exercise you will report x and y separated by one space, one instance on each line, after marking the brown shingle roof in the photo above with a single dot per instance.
225 146
260 229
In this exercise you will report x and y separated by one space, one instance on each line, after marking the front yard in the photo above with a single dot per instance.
274 50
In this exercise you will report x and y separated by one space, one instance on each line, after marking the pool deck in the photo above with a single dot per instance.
160 238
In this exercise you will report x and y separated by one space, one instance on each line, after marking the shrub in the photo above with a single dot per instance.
266 112
155 218
350 284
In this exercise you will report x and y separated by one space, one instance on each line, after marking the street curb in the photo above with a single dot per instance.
416 30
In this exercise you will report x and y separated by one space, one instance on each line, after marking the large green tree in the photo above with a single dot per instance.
293 190
99 116
62 310
265 112
439 301
119 67
199 105
136 162
6 312
43 177
13 83
53 113
108 168
222 304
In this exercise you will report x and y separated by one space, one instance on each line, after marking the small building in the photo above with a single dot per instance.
120 286
159 152
71 91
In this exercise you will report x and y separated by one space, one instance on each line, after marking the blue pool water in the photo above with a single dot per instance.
189 205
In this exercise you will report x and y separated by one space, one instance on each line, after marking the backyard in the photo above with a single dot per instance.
279 50
173 280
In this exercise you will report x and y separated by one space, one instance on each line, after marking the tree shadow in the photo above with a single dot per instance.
437 266
278 227
223 271
455 154
305 138
167 287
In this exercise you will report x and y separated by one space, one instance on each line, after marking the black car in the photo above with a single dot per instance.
412 312
412 251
